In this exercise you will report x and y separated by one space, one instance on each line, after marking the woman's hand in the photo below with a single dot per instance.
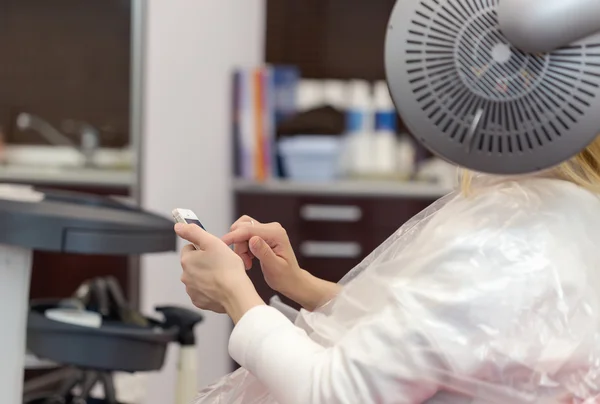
270 244
214 275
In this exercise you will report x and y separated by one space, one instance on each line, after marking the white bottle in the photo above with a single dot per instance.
405 156
384 140
187 386
359 117
336 94
310 95
358 153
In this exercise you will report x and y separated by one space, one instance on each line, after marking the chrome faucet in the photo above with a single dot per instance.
89 135
89 138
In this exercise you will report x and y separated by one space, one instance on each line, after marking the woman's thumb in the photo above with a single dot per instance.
261 250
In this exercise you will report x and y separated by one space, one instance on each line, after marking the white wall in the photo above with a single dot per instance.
192 47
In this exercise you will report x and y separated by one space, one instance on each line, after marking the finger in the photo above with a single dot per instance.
243 251
242 248
261 250
243 234
248 261
244 221
245 255
194 234
249 253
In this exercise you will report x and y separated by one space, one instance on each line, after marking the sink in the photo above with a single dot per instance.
57 165
61 157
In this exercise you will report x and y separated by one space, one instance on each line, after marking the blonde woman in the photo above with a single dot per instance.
492 295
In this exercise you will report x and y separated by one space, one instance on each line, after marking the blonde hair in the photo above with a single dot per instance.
583 170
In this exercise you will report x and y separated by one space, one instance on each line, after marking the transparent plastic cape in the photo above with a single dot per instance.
497 293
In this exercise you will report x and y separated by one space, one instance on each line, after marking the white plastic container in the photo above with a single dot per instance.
336 94
311 158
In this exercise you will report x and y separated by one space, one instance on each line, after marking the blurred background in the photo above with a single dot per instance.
277 109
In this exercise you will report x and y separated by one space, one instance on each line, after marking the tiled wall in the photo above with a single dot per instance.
66 59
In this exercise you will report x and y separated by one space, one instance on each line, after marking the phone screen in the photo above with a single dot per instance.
196 222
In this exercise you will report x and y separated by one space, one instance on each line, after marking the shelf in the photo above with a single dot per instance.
414 190
67 177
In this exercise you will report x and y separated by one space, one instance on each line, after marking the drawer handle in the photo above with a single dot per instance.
331 213
330 249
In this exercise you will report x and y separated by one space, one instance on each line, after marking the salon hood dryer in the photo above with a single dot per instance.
59 222
497 86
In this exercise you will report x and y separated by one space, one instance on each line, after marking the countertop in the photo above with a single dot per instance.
89 177
417 190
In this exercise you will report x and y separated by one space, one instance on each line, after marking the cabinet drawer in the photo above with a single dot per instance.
361 212
311 249
341 211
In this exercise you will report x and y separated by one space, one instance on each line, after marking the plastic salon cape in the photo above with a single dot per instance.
490 298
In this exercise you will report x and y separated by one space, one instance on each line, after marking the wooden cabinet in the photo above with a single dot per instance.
330 233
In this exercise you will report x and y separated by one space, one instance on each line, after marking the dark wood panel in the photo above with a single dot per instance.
66 59
329 38
295 32
354 44
391 213
59 275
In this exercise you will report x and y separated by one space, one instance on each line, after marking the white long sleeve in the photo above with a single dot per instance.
494 299
296 370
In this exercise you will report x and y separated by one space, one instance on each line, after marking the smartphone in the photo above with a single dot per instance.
186 216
